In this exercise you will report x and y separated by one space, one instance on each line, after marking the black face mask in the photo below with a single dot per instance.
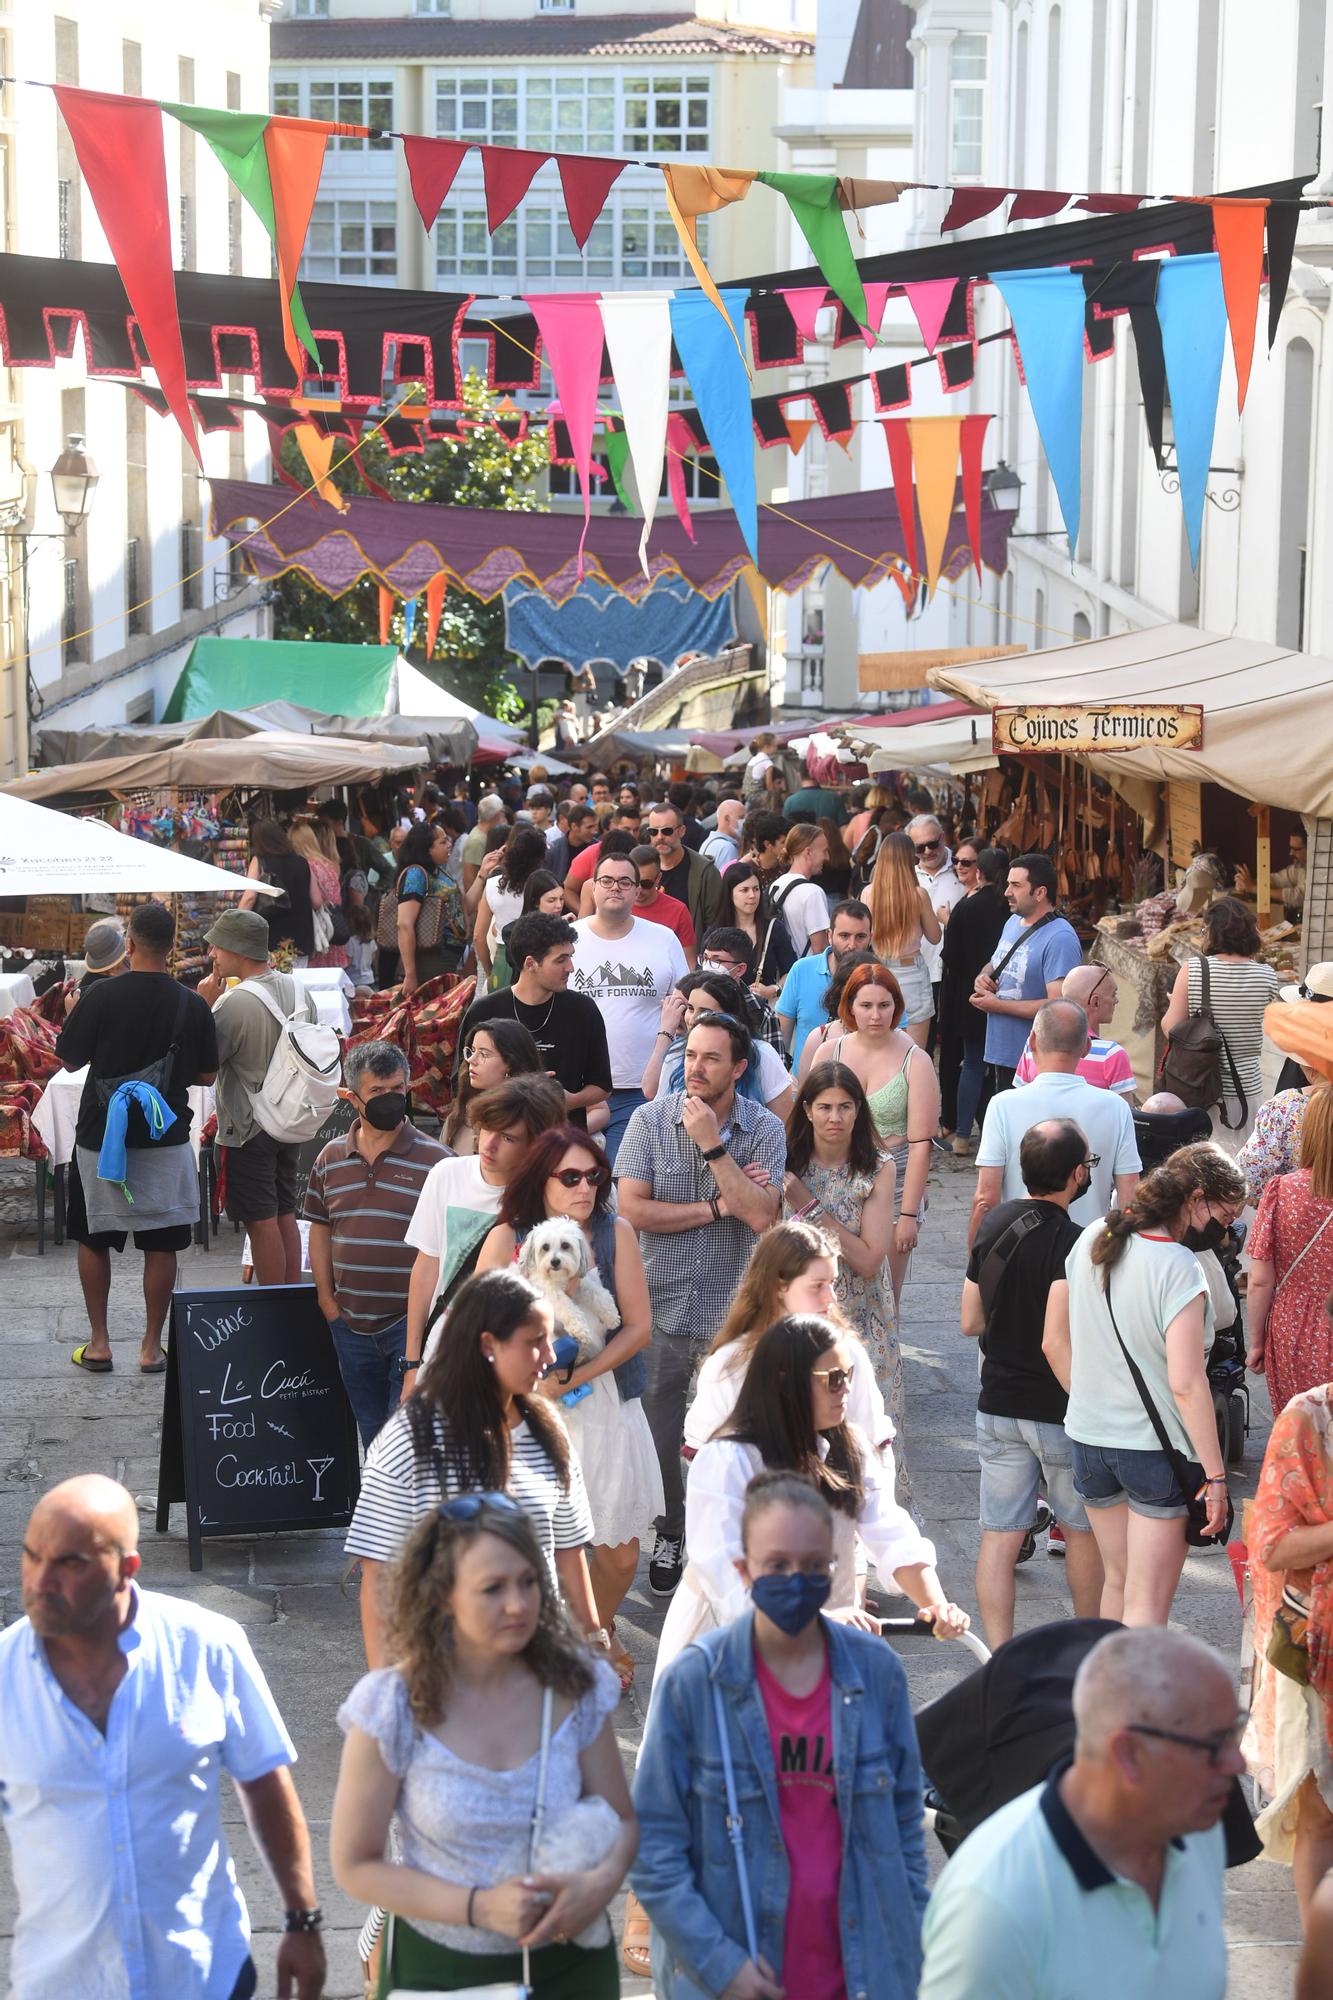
387 1111
1084 1183
1210 1237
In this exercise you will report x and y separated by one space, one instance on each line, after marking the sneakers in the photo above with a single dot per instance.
667 1564
1055 1540
1045 1519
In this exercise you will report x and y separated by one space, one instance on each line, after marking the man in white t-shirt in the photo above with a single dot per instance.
460 1197
802 906
935 873
628 966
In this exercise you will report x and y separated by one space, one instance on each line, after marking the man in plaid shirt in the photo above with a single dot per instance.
699 1176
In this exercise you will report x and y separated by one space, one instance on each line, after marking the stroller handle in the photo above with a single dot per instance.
922 1628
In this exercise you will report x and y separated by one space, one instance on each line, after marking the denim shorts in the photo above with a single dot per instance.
1107 1474
1017 1455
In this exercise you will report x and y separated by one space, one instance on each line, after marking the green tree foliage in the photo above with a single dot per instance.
476 468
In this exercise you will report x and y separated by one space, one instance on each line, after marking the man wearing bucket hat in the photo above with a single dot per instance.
260 1170
105 953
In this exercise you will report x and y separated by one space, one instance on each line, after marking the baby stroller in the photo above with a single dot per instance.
1159 1135
994 1735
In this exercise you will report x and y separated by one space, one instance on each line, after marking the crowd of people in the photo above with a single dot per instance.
643 1295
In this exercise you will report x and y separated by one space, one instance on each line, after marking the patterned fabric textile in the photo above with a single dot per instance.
18 1140
425 1027
27 1048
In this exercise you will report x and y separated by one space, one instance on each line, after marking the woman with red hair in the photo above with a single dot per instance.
901 1090
565 1175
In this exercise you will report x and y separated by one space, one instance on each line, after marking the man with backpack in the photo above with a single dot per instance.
263 1117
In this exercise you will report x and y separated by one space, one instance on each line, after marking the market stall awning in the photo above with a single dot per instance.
1263 707
959 743
46 853
274 762
447 741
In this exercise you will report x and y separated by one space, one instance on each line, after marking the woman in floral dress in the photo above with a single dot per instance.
1274 1146
840 1177
1291 1337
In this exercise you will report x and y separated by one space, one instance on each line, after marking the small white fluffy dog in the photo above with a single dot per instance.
555 1253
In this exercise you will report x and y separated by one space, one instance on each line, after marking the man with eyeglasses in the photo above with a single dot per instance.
628 966
1106 1065
939 878
801 1001
1107 1880
727 950
687 876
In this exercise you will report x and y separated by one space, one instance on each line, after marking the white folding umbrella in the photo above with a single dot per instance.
46 853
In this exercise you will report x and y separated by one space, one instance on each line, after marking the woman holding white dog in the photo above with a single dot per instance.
564 1179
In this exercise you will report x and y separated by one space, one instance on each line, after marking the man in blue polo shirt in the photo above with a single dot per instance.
801 1001
1037 948
1106 1880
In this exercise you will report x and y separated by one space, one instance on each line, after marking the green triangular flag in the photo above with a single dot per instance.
617 458
813 200
236 138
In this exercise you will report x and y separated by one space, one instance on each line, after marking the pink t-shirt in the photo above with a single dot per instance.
801 1729
1105 1065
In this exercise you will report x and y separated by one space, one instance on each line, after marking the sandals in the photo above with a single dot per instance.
153 1367
95 1364
622 1661
635 1955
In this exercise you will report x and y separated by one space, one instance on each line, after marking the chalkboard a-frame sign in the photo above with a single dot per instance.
257 1433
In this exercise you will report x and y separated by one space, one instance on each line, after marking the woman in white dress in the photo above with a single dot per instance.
791 1415
564 1173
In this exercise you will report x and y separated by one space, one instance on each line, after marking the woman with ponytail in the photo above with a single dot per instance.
1137 1290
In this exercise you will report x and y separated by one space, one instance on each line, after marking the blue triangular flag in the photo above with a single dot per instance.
1192 313
716 373
1046 308
409 621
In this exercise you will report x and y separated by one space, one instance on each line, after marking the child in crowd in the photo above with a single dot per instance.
361 949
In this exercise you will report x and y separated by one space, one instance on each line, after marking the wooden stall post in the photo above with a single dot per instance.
1263 866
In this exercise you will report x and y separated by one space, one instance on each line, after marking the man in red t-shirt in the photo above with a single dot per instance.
653 902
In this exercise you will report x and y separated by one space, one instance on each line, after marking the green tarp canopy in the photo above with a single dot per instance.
243 673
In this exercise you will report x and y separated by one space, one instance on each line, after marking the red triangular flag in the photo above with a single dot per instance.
507 172
969 204
930 299
586 183
899 440
118 141
386 613
434 606
1238 227
1031 204
876 299
431 166
804 303
971 438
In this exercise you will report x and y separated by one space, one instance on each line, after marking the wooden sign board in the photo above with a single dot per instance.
1184 816
1045 729
899 673
258 1436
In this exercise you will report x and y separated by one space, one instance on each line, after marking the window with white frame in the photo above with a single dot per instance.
633 241
597 111
310 10
430 6
352 240
967 106
339 100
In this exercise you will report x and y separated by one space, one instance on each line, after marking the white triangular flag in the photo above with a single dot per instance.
638 339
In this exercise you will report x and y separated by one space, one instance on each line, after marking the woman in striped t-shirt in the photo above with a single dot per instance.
475 1424
1239 989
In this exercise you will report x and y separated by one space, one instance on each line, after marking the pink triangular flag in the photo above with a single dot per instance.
930 299
431 166
570 325
680 445
876 299
804 304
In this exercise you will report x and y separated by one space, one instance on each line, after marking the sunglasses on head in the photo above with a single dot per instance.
924 846
835 1380
467 1506
571 1177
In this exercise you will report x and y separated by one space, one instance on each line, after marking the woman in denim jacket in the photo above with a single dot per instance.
828 1786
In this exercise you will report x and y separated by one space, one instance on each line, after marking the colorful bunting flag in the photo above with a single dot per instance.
972 438
935 454
118 142
805 303
622 478
386 599
717 375
571 333
409 622
1238 228
317 451
275 164
798 430
1034 204
507 173
637 326
680 446
586 183
695 191
898 439
1046 308
930 299
877 297
1192 313
431 167
969 204
813 201
435 590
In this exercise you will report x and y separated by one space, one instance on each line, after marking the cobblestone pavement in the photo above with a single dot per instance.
291 1594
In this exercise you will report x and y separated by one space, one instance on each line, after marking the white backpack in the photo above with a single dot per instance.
300 1085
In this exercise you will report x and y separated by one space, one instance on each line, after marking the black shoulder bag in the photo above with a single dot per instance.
997 1257
1189 1473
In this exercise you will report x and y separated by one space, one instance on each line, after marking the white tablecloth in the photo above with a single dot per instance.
57 1113
16 990
332 991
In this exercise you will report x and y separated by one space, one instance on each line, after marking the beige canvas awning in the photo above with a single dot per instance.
1266 710
271 762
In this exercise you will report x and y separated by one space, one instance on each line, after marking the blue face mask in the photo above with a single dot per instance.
792 1602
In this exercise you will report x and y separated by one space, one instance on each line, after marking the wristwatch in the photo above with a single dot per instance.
405 1367
303 1920
714 1152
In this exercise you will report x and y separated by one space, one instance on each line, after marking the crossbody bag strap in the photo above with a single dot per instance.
538 1810
1206 1007
1302 1253
1169 1450
735 1824
1022 938
997 1257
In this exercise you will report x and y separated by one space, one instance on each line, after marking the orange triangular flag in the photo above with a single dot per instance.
434 606
696 191
1238 227
935 452
386 613
317 451
798 430
295 154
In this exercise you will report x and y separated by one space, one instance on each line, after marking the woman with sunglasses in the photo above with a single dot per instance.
791 1416
476 1423
565 1175
494 1052
489 1685
902 917
746 907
